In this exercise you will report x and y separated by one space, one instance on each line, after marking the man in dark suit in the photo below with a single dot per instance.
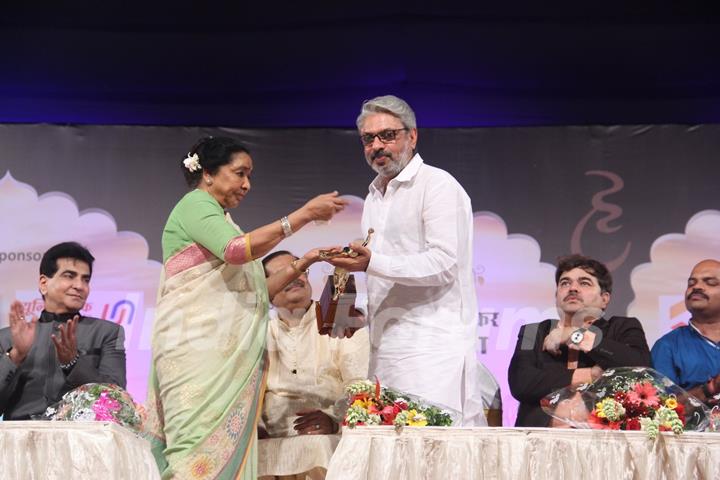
42 359
577 348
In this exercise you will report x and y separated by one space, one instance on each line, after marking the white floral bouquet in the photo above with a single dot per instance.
100 402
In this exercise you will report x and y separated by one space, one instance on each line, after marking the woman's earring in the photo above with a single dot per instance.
208 181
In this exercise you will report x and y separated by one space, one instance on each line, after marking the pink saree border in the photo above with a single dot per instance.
190 256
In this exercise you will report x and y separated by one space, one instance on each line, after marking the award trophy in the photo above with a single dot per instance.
337 302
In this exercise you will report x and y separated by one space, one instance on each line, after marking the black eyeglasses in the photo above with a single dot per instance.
385 136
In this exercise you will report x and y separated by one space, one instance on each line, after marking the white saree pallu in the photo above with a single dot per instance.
208 375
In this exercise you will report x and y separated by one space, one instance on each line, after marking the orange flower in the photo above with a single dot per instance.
202 467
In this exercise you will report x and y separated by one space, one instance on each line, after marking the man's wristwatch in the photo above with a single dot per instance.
577 336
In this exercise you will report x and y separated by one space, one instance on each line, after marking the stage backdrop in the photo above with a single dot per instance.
643 199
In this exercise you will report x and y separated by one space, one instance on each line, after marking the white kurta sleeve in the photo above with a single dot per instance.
446 218
353 362
354 357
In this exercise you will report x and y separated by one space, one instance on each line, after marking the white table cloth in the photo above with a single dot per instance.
73 450
508 453
292 455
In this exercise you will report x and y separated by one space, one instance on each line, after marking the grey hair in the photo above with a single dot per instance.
397 107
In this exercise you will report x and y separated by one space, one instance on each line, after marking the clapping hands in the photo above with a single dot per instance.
66 341
22 332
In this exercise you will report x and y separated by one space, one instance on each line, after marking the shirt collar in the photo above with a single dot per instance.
405 175
600 322
47 317
697 330
307 318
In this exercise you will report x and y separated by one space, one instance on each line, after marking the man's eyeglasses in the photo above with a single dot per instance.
385 136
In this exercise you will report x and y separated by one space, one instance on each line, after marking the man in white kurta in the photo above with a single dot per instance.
422 308
307 376
309 372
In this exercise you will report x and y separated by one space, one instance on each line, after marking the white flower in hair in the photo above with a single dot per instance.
192 162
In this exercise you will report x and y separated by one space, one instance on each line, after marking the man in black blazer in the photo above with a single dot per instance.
577 348
42 359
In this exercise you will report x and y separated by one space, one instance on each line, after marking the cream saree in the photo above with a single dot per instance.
207 377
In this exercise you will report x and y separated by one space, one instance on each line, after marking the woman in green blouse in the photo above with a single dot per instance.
207 377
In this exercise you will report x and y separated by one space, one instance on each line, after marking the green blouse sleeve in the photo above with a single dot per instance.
201 219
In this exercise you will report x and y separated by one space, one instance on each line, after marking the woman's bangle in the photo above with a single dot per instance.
294 265
286 228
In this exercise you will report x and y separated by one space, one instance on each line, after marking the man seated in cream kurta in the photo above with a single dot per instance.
307 376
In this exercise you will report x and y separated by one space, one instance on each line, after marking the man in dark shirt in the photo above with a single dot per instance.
42 359
690 355
577 348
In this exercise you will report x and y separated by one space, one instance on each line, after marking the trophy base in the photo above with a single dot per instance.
336 314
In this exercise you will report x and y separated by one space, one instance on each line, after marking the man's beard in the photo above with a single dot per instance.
392 168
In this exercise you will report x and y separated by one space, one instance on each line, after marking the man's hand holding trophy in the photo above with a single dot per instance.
336 312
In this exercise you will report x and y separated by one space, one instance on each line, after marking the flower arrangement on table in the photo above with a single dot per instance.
372 404
628 399
100 402
714 419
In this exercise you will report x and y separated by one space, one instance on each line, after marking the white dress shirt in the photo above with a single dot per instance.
421 296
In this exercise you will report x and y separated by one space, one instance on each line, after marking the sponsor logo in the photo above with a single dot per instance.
20 257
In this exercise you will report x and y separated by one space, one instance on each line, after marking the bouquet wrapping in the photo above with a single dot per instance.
628 398
101 402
